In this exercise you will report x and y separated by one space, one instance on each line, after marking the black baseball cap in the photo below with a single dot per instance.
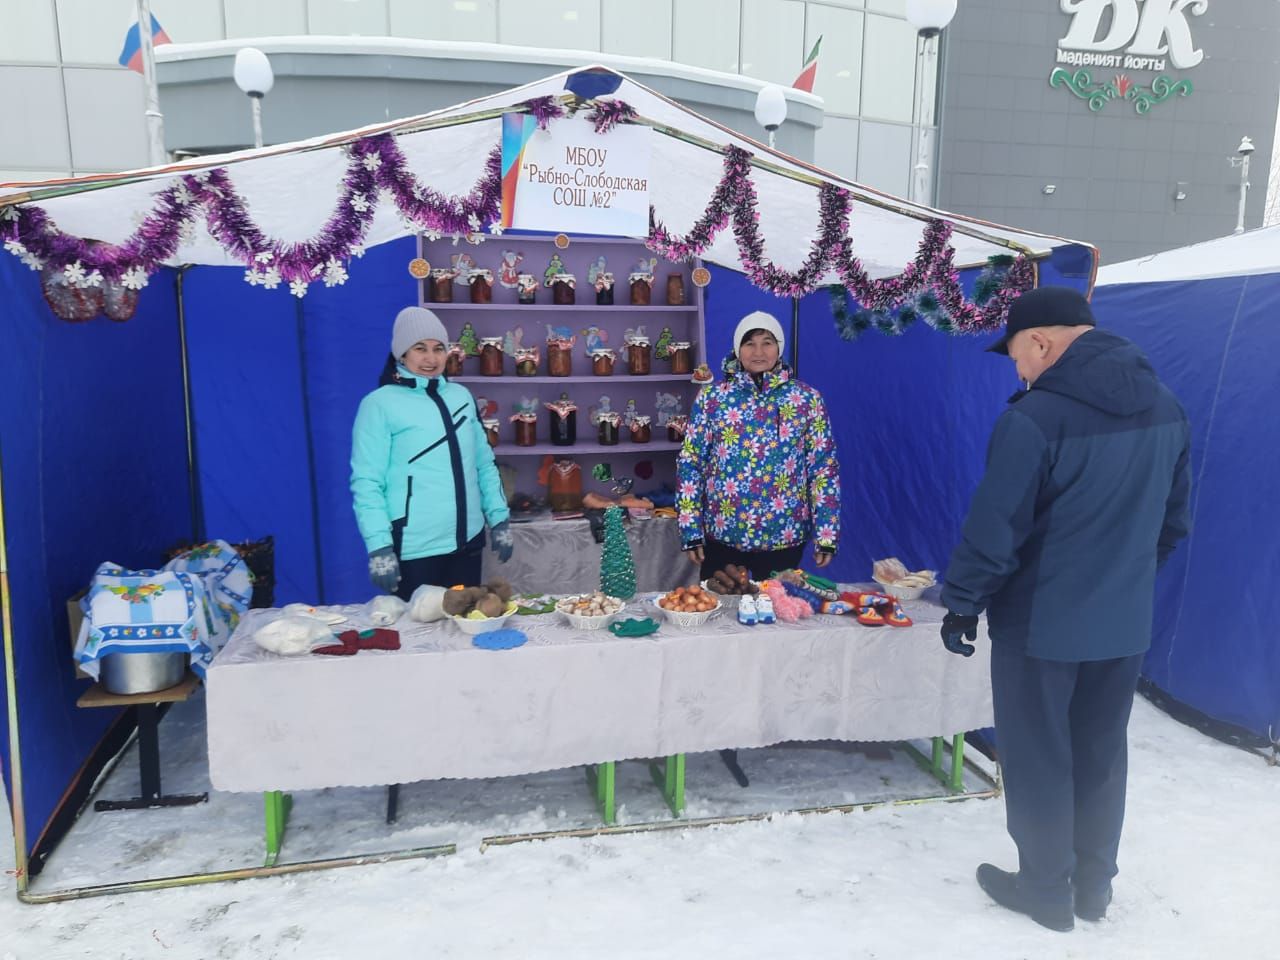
1045 307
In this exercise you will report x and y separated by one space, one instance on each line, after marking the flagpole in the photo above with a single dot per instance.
155 119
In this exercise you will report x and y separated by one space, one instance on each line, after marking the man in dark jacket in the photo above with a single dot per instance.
1084 497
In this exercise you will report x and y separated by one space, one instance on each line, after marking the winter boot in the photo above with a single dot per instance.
1002 887
1092 905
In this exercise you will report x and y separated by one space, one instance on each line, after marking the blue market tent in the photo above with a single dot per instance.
1205 315
223 408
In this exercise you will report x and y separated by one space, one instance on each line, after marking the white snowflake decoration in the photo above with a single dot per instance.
74 274
252 277
473 222
372 161
334 273
358 250
496 228
264 257
431 234
15 247
135 278
298 288
182 195
94 279
270 278
9 213
359 202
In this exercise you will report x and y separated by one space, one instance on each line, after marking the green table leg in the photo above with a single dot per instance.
670 780
277 805
602 778
956 782
953 778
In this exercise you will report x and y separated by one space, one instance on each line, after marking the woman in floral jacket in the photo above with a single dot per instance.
758 476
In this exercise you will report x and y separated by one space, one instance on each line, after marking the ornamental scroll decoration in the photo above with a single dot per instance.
1080 83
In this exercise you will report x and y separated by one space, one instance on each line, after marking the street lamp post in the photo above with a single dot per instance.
1244 151
253 76
771 109
930 18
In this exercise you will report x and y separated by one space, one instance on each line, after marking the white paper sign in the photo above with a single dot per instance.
570 179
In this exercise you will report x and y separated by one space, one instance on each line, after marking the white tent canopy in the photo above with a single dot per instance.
1257 251
292 189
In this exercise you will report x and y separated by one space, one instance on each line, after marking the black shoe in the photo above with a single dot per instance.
1093 906
1002 887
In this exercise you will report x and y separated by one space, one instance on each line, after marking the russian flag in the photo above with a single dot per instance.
131 55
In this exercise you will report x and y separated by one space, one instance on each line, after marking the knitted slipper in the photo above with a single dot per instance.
869 616
894 615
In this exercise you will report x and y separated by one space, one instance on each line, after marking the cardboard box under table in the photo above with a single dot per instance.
439 708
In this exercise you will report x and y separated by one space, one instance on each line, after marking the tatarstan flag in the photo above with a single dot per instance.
805 80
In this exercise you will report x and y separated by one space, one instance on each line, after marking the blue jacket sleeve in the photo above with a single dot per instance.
370 461
690 478
493 501
1177 508
1001 515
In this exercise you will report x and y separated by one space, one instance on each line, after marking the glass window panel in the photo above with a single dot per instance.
347 18
884 157
635 31
839 80
562 24
28 35
253 18
835 146
705 34
35 124
773 40
93 31
888 69
183 21
114 139
475 20
889 6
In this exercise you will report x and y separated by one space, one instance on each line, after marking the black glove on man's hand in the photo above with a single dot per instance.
955 626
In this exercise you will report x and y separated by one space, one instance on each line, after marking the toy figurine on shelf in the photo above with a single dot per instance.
513 342
596 411
596 338
668 405
554 266
462 264
468 341
702 375
526 421
508 275
664 343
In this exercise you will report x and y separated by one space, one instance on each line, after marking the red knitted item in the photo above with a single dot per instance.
353 642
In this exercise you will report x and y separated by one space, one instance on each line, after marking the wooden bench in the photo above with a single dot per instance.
148 712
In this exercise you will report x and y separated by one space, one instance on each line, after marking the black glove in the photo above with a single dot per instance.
955 626
384 569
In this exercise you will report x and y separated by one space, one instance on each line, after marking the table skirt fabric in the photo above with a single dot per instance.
441 708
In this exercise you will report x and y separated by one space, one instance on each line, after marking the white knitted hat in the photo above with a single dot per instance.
758 321
412 325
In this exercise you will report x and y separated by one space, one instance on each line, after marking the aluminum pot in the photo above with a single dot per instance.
127 673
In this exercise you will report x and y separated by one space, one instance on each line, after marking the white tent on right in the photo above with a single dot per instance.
1206 315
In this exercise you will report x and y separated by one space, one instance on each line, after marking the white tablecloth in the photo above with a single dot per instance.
441 708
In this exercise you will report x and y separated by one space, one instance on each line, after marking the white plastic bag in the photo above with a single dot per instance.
427 603
289 636
385 610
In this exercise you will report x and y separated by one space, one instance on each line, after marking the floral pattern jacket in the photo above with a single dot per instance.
758 468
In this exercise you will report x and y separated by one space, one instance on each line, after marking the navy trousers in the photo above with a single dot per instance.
1061 735
461 566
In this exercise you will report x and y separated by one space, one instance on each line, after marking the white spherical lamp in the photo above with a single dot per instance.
252 72
930 17
771 107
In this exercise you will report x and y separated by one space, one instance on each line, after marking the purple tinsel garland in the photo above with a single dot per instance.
377 166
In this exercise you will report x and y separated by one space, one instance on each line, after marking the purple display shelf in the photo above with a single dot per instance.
562 308
506 449
628 379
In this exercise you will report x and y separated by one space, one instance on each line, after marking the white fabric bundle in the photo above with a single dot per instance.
289 636
385 610
427 603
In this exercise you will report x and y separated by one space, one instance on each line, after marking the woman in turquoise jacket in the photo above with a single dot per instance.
423 478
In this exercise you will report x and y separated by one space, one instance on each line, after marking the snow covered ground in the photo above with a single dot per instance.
1198 871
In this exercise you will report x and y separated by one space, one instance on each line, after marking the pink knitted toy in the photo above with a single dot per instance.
789 609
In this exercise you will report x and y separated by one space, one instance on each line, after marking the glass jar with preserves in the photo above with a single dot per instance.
526 429
440 286
639 355
453 360
527 362
526 288
604 288
602 362
676 428
641 288
491 431
564 421
564 486
562 289
680 353
481 282
641 429
675 289
490 356
560 357
607 425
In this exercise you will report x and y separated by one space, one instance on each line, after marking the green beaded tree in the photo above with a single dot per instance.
617 568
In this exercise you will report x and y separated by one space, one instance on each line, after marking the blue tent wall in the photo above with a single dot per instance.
93 443
1212 341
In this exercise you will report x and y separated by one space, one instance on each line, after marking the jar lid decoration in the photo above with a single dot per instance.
562 407
523 354
443 273
606 352
566 467
563 278
491 342
639 420
637 340
611 417
524 417
604 281
679 422
526 281
457 350
478 274
645 277
526 410
679 345
489 424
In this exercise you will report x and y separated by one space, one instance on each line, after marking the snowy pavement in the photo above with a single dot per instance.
1198 868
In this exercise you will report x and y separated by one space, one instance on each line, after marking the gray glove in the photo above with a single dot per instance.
384 569
501 541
